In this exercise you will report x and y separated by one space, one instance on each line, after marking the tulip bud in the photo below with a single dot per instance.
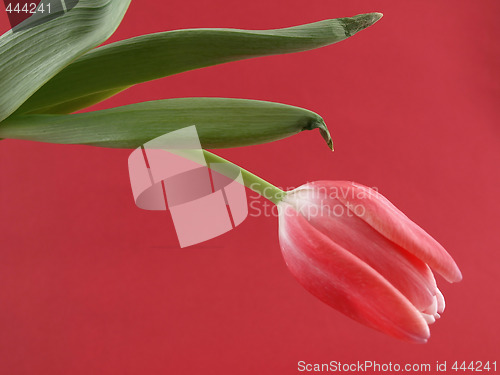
354 250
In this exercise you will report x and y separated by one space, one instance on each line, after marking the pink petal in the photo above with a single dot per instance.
344 282
440 302
408 274
384 217
432 308
430 319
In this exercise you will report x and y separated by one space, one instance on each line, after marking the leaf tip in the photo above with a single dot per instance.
325 133
360 22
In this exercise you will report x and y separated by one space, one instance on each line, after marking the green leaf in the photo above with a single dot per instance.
125 63
82 102
220 123
31 57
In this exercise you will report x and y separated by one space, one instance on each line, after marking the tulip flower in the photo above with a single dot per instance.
354 250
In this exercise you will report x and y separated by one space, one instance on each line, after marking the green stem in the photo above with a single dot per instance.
251 181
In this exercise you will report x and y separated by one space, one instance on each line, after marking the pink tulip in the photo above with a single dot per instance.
354 250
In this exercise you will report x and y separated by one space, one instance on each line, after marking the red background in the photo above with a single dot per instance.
90 284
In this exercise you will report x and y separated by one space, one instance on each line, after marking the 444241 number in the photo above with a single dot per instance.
28 8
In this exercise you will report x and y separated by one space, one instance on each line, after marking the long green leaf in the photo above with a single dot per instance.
220 123
153 56
31 57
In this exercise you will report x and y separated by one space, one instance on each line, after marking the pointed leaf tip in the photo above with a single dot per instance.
360 22
325 133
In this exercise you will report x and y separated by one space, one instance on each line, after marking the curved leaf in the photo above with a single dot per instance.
31 57
220 123
153 56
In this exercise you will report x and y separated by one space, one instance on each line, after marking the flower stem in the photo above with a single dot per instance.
251 181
